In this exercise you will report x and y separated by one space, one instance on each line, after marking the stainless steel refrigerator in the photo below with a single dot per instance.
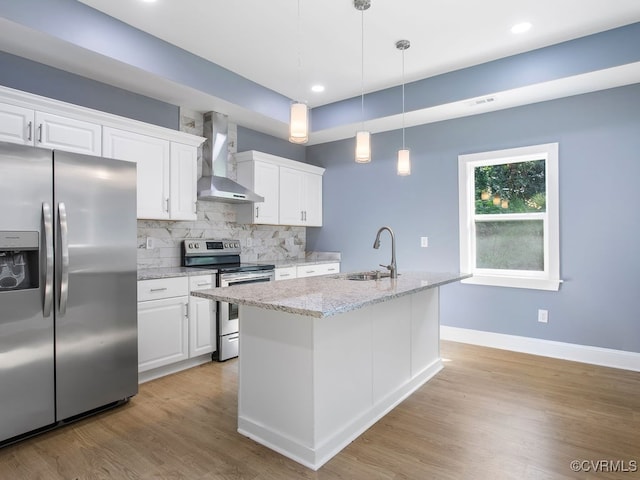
68 316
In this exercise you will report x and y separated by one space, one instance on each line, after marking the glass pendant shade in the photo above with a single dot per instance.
299 123
363 147
404 162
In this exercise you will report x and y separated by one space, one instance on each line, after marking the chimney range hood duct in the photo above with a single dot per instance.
214 185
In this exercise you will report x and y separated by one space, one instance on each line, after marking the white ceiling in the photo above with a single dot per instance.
258 38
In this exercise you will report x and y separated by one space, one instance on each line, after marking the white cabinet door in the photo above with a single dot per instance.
184 172
267 185
163 330
152 157
202 326
291 187
300 198
16 124
202 317
312 200
263 178
54 131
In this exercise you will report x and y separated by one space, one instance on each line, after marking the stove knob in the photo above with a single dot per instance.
190 245
197 245
237 244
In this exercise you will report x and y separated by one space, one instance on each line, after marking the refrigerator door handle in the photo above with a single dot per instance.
64 258
48 267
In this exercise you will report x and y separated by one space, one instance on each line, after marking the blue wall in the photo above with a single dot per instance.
599 137
251 140
22 74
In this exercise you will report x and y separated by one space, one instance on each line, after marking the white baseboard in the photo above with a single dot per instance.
149 375
567 351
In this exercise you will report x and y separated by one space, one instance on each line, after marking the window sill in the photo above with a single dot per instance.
515 282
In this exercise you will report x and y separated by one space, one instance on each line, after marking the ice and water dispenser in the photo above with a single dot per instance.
19 256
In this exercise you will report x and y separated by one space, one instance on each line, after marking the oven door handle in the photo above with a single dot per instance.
245 278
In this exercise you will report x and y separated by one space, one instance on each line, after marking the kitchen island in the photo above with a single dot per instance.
323 358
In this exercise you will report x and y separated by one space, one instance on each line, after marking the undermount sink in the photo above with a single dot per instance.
375 275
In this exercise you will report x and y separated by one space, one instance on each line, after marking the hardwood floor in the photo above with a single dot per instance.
490 414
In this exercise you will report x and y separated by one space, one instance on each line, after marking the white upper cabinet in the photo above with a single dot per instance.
152 157
183 184
292 190
31 127
16 124
68 134
300 197
166 159
263 178
167 173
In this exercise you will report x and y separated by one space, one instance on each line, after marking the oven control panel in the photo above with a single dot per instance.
203 246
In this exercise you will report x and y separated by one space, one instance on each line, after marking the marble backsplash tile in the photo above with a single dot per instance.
216 220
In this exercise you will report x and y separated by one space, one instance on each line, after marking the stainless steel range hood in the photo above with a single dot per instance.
214 185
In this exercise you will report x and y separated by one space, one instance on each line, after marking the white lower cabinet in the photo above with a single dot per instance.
202 317
163 329
163 322
174 329
285 273
317 269
309 270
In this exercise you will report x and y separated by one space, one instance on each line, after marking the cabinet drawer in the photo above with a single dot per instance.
162 288
286 273
317 269
201 282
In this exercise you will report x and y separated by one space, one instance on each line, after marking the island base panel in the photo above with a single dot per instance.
309 386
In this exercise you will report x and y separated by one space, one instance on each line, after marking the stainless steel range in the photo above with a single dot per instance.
224 255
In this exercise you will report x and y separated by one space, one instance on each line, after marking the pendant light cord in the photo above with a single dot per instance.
299 55
403 146
362 65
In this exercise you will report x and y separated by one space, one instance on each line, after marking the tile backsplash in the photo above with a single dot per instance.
215 220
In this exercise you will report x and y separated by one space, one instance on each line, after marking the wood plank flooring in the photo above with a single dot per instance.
490 414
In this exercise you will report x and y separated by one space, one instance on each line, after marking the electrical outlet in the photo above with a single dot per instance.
149 243
424 242
543 316
249 242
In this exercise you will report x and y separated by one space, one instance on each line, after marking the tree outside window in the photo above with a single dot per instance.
508 217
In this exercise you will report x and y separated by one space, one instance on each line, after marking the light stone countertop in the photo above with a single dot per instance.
328 295
169 272
293 262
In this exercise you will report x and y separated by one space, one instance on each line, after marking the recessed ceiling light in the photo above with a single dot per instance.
317 88
521 27
149 1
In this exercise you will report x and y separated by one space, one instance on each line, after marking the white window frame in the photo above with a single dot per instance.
549 278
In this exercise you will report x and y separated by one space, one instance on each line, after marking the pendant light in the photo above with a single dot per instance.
404 160
299 117
363 137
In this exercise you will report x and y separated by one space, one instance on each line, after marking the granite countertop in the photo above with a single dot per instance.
294 262
330 294
168 272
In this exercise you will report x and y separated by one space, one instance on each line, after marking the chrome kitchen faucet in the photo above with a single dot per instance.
392 267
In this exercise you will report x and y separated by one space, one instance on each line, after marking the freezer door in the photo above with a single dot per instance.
96 302
26 334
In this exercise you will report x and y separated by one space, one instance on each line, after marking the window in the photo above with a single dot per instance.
509 222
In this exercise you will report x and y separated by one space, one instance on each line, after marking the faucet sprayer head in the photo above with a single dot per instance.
376 244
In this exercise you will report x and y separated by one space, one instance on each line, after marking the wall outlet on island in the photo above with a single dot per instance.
249 242
424 242
149 243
